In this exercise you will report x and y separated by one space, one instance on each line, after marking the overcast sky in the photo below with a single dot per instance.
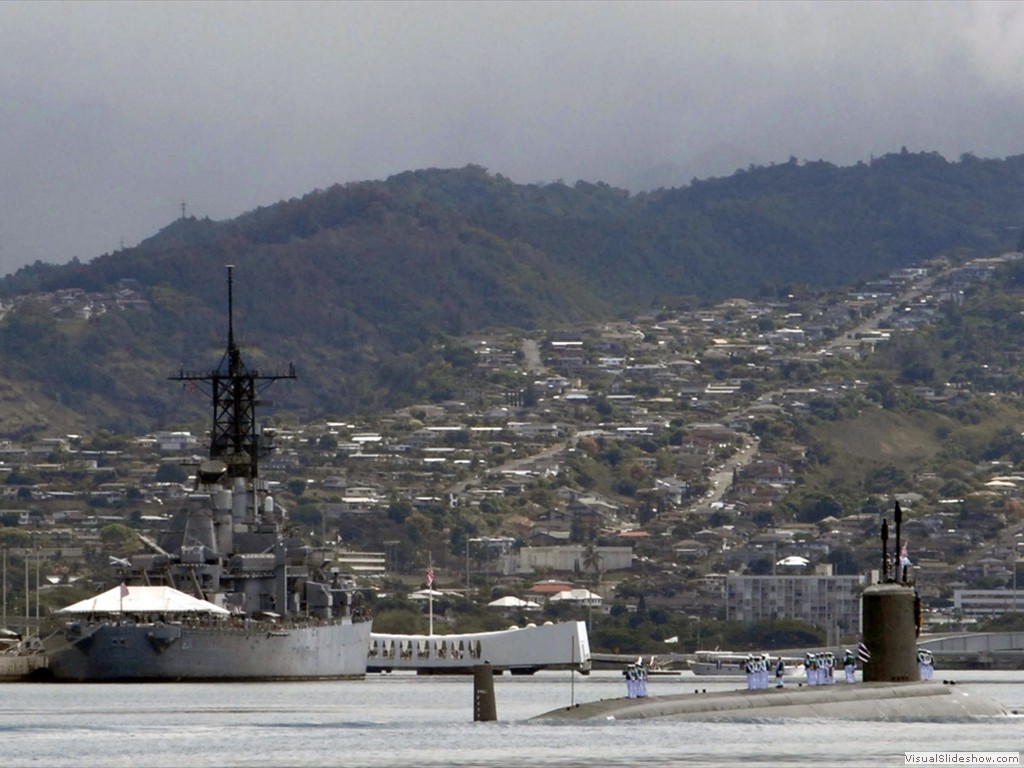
112 114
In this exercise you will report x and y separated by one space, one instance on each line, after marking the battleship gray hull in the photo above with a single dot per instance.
110 652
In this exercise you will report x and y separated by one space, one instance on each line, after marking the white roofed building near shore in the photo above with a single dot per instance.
577 596
512 602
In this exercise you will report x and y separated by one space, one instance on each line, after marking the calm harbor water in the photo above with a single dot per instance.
392 720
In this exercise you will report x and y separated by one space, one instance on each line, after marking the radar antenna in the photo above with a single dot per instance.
233 388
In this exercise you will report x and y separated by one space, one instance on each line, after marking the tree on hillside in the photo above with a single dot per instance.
816 508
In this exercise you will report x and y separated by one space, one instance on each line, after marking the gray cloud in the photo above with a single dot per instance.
113 113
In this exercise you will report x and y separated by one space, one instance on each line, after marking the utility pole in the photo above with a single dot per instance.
1016 608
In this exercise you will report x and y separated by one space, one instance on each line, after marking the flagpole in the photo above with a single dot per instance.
430 593
572 672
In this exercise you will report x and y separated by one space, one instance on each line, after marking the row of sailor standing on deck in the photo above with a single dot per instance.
636 680
820 668
758 667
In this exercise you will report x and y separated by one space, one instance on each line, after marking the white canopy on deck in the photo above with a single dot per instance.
144 600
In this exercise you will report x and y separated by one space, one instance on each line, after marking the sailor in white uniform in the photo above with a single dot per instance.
924 664
849 665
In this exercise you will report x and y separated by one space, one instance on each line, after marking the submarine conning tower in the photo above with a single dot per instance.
890 633
889 615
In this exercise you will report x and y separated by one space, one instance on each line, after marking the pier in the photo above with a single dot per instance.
16 667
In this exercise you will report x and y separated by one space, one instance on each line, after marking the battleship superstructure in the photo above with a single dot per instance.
264 605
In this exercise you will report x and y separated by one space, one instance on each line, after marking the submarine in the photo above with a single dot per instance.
892 688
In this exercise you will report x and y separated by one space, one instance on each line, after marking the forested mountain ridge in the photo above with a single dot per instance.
362 284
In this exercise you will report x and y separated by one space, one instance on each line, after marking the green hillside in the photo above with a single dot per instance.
364 286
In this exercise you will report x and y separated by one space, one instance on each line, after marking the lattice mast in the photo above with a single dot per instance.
233 388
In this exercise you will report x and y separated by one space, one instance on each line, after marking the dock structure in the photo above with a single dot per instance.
518 650
16 667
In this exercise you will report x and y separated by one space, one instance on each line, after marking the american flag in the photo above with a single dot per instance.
430 576
124 590
862 653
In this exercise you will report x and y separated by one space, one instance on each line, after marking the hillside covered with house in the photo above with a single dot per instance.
696 467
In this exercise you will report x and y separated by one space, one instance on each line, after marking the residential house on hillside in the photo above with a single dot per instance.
768 473
542 536
594 508
671 489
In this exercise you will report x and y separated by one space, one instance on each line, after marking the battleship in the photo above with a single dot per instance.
228 592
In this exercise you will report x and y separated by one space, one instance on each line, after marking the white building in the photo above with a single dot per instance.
573 559
987 602
831 603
